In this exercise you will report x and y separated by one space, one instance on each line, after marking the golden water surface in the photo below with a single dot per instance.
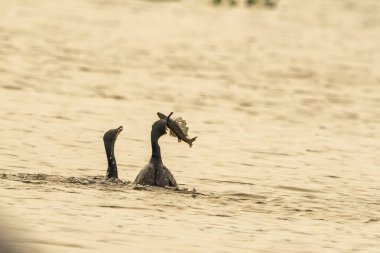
285 103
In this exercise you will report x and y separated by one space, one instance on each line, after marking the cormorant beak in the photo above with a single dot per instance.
119 129
169 116
167 119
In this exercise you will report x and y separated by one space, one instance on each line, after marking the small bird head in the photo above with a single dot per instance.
111 135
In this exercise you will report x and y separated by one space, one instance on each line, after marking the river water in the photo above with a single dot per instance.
285 103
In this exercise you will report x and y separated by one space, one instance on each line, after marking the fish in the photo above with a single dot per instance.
178 128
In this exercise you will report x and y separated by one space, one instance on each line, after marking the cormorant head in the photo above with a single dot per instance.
111 135
159 128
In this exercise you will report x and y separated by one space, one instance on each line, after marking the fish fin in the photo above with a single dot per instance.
191 141
182 125
172 133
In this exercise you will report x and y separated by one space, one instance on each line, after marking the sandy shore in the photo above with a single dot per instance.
285 103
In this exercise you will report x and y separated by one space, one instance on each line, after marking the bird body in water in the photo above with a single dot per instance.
109 140
155 173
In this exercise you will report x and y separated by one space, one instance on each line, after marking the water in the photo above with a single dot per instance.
284 103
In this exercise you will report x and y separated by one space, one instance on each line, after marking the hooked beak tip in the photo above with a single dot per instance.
169 116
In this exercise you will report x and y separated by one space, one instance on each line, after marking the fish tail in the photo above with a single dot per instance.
191 141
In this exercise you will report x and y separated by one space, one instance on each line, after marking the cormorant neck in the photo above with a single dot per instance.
112 167
156 151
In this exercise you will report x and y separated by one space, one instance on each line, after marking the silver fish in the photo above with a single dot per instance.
178 128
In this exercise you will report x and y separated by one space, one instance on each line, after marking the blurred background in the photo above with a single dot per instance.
284 97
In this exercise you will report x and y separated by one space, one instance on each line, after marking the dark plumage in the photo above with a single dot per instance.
109 140
155 173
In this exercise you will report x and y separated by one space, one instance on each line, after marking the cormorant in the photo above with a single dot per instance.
155 172
109 140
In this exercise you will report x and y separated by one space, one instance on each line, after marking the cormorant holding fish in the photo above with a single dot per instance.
155 172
